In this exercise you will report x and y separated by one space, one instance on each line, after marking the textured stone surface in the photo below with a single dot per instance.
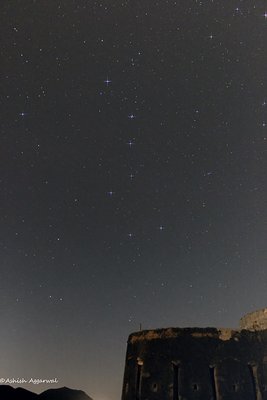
256 320
196 363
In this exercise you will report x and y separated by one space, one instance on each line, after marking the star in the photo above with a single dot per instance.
131 116
238 11
130 235
161 227
211 36
110 193
130 143
22 114
107 81
131 176
265 14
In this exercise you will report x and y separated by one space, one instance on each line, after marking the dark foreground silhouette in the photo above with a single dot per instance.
10 393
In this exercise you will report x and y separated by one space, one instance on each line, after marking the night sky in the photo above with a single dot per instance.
133 178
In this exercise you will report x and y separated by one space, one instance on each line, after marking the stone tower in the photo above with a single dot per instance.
198 363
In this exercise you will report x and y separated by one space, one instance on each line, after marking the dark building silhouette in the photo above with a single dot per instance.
198 363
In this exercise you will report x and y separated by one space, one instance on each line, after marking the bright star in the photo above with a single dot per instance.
237 10
130 143
107 81
22 114
131 116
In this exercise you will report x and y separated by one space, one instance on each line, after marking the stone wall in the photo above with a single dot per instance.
196 364
256 320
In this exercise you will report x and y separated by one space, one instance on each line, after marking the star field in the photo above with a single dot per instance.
133 187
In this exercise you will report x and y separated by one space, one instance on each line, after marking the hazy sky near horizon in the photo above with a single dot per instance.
133 178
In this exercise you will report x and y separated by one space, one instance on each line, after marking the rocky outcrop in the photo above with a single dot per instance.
10 393
63 394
